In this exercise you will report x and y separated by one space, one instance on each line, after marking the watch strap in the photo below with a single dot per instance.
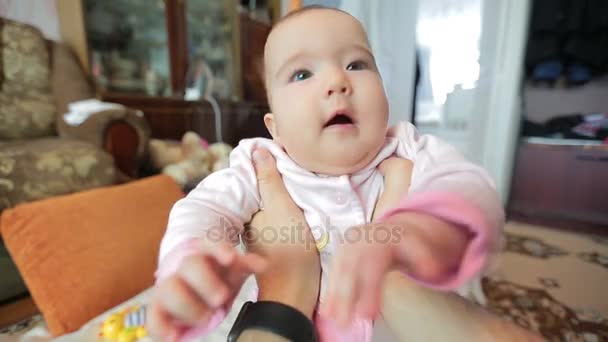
277 318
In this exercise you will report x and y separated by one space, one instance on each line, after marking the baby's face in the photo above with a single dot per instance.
329 108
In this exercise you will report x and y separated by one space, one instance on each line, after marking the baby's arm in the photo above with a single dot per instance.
446 244
442 231
452 200
200 271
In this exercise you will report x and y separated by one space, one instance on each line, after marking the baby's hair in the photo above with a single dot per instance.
304 9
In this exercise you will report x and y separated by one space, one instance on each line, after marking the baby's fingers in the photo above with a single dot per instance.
343 290
346 294
368 301
181 303
227 256
223 253
159 323
242 267
202 276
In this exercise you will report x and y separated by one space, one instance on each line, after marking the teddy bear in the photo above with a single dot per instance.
190 160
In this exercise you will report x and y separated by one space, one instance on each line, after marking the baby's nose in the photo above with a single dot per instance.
339 85
342 90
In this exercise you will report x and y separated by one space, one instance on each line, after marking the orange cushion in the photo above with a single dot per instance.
84 253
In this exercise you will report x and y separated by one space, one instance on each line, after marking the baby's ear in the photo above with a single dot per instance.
271 126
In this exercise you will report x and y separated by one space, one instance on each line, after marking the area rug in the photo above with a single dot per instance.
552 282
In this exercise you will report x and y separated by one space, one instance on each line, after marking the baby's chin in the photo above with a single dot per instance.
337 165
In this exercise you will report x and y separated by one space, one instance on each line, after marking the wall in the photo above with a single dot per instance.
39 13
328 3
542 103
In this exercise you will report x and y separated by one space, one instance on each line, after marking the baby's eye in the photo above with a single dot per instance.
357 65
300 75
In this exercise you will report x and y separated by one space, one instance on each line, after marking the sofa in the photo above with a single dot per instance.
41 155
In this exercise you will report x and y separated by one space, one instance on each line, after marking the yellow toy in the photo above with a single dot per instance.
127 325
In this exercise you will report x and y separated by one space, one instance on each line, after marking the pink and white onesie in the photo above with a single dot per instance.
443 184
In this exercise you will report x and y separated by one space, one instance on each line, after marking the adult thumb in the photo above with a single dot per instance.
270 182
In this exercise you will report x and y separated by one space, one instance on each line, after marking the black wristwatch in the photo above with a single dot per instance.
274 317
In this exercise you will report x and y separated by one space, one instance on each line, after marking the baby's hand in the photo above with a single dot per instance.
397 173
359 267
203 284
356 273
425 247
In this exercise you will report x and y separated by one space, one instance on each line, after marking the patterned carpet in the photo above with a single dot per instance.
552 282
548 281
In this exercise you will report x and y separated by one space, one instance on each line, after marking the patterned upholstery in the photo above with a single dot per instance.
48 167
39 156
27 108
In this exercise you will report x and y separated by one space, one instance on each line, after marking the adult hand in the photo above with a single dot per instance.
280 234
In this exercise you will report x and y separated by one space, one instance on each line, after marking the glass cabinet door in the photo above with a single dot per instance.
128 48
165 47
212 50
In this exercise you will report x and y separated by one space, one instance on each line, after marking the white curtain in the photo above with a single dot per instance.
39 13
448 34
471 64
391 27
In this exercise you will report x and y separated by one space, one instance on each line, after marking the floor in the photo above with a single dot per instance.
553 282
15 311
547 280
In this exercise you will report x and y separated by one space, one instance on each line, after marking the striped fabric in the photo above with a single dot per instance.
136 317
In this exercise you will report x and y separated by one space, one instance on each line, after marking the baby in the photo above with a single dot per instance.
330 136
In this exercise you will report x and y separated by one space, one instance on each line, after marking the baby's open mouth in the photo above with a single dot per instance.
339 119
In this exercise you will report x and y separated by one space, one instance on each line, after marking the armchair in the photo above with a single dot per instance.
42 156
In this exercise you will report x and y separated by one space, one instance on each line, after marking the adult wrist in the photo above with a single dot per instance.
302 296
274 317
